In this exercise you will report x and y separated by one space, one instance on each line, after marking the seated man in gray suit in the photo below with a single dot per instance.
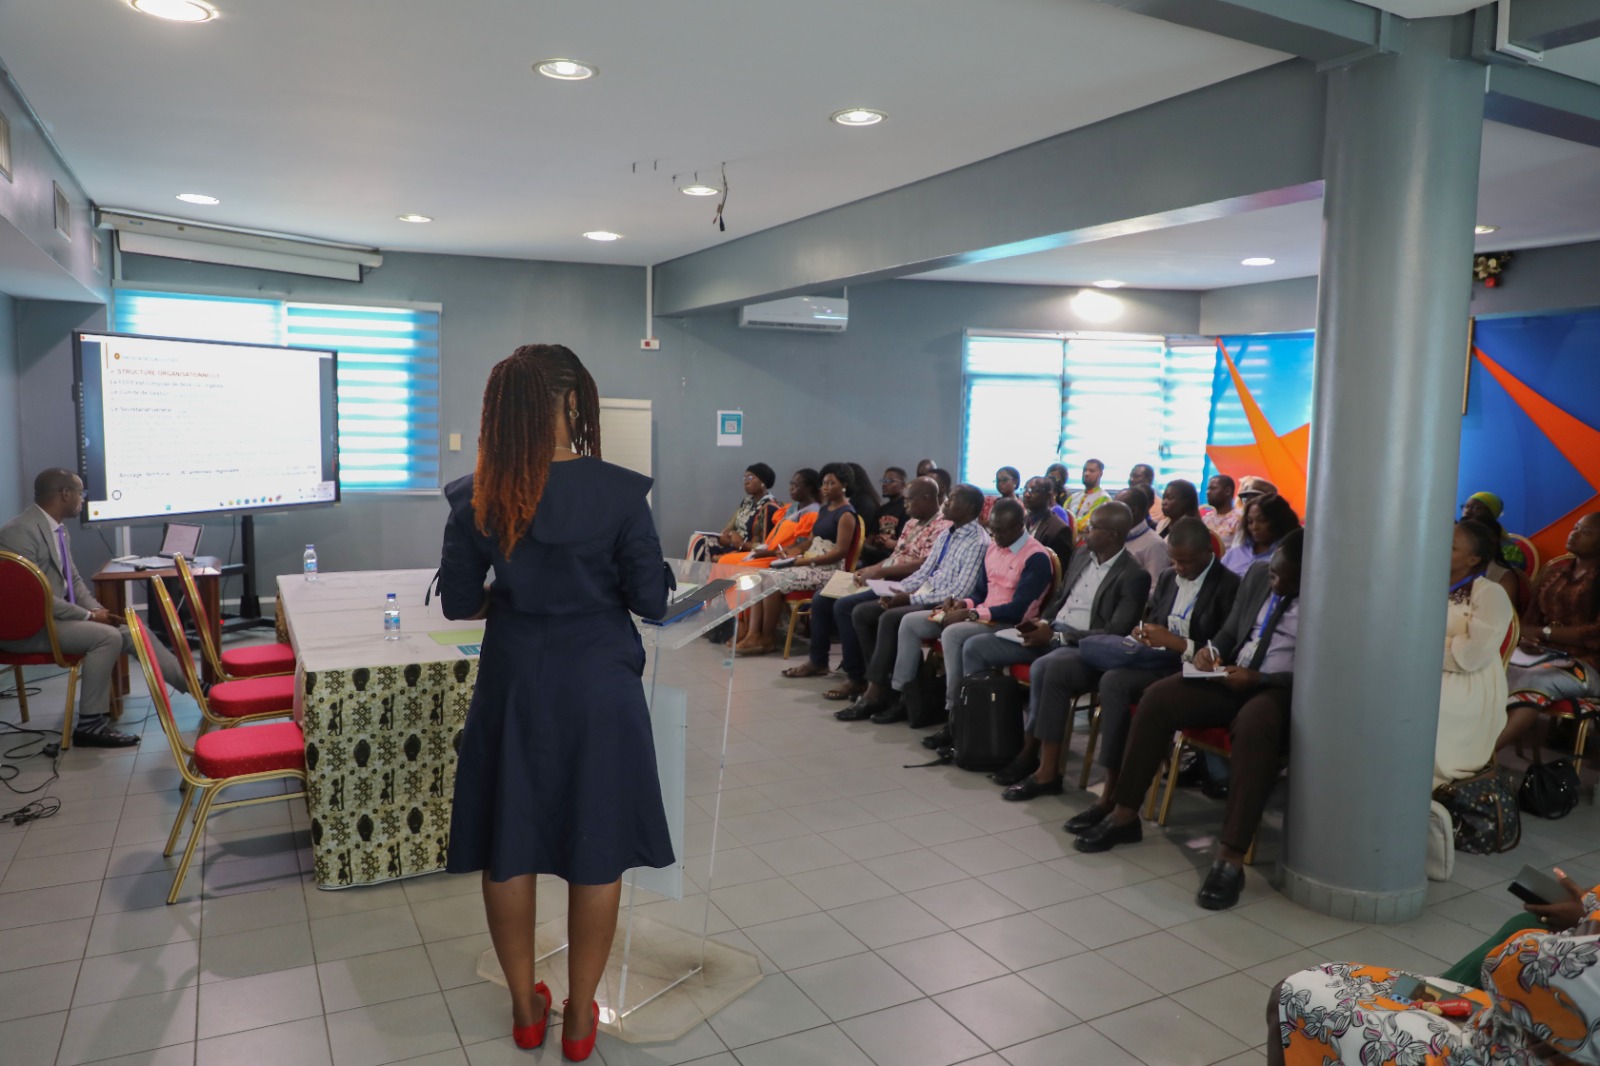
83 626
1103 591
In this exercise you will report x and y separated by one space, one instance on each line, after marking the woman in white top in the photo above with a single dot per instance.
1472 692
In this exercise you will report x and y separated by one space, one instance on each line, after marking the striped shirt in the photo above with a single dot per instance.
951 569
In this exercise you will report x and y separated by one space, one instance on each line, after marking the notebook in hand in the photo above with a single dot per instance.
686 603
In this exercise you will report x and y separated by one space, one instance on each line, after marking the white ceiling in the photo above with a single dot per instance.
1539 190
329 119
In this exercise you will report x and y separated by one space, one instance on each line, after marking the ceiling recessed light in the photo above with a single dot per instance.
1257 261
198 198
1096 307
566 69
603 235
698 188
858 116
176 10
414 218
1483 227
1109 283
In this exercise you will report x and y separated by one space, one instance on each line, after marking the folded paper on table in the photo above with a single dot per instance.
447 637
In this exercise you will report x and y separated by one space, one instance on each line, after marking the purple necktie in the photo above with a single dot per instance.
66 563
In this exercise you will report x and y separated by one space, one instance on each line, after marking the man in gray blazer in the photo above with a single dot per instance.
1103 591
83 626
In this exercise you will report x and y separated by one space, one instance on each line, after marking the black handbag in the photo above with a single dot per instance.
925 695
1483 811
986 725
1549 789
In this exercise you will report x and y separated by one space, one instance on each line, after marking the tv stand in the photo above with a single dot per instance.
249 616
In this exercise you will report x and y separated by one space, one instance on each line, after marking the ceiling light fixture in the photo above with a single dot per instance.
602 235
1109 283
858 116
1483 227
198 198
1096 307
698 188
176 10
414 218
1257 261
566 69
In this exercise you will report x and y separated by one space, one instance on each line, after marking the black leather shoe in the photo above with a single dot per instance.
102 738
895 712
859 711
1106 834
1090 818
941 739
1222 886
1030 787
1020 770
1217 790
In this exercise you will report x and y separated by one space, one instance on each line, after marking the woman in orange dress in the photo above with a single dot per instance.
793 528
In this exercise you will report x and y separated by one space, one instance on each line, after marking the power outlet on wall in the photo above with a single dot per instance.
650 344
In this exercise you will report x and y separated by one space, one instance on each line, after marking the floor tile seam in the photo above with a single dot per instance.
969 943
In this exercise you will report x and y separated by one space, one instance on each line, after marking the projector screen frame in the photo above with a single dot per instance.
82 442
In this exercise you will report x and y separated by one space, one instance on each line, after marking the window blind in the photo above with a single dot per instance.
1114 405
1012 412
388 383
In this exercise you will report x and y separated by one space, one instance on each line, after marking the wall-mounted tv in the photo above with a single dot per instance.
183 427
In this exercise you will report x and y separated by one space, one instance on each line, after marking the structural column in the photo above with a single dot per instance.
1401 164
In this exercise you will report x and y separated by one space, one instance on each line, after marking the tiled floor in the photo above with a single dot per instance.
905 917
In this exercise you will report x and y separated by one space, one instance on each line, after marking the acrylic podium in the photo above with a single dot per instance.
666 977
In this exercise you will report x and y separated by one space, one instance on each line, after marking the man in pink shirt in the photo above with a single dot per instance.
1012 583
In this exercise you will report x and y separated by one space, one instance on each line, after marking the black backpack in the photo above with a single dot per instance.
925 695
986 725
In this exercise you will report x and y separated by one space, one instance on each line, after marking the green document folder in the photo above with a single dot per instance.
457 636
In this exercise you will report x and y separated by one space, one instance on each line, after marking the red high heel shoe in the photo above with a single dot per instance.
578 1050
532 1036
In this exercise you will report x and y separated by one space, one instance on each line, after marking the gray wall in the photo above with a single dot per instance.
11 496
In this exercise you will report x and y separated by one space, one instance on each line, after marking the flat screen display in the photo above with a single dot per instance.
182 427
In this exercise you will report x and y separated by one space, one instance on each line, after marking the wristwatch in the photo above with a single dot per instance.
1545 632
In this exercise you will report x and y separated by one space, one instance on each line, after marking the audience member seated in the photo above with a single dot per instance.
1057 472
1472 691
1223 519
1081 504
885 532
1251 702
1487 508
946 482
83 626
794 525
1192 601
1531 987
755 517
1180 499
864 497
1267 520
950 572
1563 625
1103 591
814 560
1251 487
925 467
1144 476
1149 550
829 616
1013 580
1007 480
1042 519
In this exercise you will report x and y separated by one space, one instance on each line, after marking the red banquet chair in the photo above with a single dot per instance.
234 664
25 591
799 601
218 760
229 703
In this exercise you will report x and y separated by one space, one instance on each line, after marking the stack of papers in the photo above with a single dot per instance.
1191 670
884 588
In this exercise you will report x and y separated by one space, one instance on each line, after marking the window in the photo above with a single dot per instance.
1032 400
388 381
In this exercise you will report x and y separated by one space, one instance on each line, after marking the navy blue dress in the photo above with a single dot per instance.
557 769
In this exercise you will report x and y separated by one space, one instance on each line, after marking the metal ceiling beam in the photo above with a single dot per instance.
1545 102
1540 25
1187 159
1324 31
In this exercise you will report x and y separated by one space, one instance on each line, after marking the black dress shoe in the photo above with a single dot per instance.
1217 790
102 738
1030 787
895 712
1086 820
1106 834
1020 770
941 739
859 711
1222 886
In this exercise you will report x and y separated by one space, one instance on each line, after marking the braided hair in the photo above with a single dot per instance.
517 434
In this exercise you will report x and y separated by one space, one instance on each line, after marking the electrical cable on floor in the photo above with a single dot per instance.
48 746
31 685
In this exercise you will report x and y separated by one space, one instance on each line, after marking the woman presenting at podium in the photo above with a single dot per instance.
557 770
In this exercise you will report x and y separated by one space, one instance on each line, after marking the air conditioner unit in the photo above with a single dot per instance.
821 314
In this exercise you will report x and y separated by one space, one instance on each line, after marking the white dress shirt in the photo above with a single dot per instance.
1183 607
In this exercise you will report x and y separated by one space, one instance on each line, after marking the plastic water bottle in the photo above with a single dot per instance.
391 619
310 558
